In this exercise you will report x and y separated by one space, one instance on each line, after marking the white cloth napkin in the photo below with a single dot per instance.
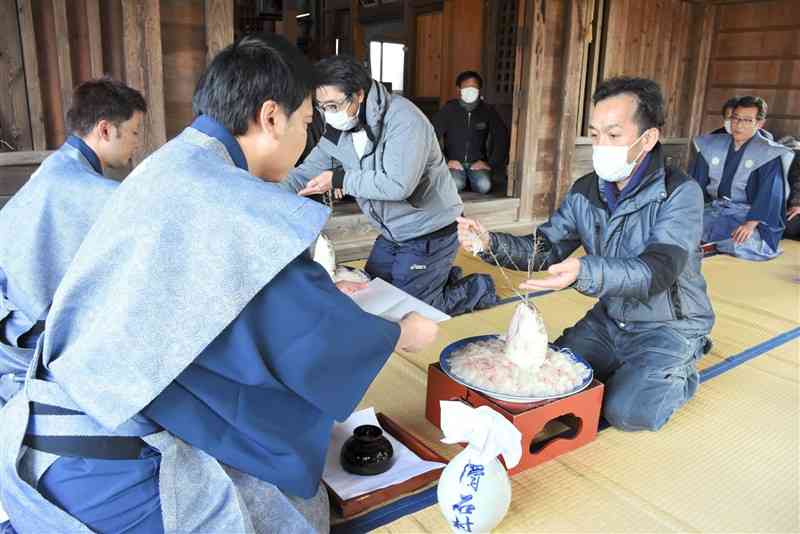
485 430
405 464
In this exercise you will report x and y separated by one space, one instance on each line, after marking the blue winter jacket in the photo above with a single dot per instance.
642 261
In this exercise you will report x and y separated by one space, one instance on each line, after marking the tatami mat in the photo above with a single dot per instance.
727 462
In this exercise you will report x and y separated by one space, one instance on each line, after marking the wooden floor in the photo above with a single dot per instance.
727 462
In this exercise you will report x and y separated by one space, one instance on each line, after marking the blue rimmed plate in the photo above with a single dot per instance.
444 362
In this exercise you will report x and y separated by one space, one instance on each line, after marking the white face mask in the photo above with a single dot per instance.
727 124
470 94
611 162
341 120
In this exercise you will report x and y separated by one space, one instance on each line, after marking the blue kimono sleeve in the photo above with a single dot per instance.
699 171
263 396
766 193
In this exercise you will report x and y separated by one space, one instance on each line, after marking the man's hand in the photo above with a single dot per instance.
480 165
792 212
348 288
562 274
316 186
416 332
455 165
467 229
743 233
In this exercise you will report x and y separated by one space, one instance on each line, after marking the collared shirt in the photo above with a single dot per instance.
614 196
86 151
214 129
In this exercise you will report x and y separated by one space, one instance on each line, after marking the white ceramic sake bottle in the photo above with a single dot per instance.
474 491
473 496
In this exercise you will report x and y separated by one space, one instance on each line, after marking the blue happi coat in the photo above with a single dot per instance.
41 228
749 184
200 355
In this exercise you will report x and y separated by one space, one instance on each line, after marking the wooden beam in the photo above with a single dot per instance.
24 158
31 62
529 156
701 70
15 126
357 32
63 53
576 26
95 37
144 70
219 26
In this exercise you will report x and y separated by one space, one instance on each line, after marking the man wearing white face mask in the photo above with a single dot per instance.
639 223
475 139
390 161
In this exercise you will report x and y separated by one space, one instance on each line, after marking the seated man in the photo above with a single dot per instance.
727 111
744 178
195 357
393 166
475 137
793 205
43 225
639 223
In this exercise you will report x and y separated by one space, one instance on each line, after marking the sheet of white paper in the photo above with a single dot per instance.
3 516
405 464
383 299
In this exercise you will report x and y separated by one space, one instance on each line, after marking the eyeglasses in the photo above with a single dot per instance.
747 121
333 107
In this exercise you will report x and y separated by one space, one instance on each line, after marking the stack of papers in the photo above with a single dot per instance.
405 464
384 300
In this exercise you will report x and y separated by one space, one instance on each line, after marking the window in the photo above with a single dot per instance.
387 62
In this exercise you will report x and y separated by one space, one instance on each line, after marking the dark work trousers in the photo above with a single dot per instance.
423 268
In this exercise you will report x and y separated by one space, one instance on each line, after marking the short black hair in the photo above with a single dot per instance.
753 102
102 99
343 72
249 72
650 111
729 104
469 75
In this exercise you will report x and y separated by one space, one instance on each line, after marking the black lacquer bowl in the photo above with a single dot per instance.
367 451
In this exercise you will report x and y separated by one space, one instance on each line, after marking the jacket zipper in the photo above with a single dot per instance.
674 299
469 135
598 232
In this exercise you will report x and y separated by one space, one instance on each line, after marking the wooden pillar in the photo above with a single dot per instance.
531 52
63 52
144 70
577 31
357 33
15 127
32 83
289 23
219 26
410 23
95 37
448 26
701 70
